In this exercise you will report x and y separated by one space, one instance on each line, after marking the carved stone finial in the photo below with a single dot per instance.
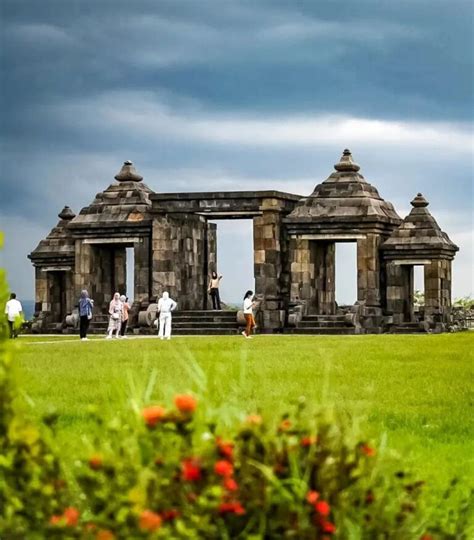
346 163
128 173
66 213
419 201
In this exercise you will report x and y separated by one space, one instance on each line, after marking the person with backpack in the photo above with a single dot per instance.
85 314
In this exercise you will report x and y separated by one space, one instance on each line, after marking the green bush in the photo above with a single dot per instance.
177 473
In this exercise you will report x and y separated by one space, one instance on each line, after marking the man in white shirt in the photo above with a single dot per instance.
13 311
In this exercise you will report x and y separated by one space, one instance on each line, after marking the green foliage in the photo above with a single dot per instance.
467 302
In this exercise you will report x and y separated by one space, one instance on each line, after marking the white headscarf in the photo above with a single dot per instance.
166 304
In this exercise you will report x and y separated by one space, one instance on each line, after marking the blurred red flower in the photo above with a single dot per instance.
223 468
149 521
328 527
231 508
185 403
154 414
225 448
312 497
322 508
368 450
191 470
71 516
230 484
254 419
95 462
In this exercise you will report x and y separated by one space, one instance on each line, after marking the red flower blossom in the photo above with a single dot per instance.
225 448
223 468
105 534
230 484
149 521
71 516
191 470
327 527
95 462
154 414
322 508
185 403
169 515
307 441
254 419
426 537
367 450
231 508
312 497
55 520
285 425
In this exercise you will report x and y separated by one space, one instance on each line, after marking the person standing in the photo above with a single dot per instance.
125 310
165 306
248 314
115 316
85 314
13 311
213 289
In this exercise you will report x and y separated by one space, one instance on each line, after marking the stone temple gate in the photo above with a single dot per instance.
294 239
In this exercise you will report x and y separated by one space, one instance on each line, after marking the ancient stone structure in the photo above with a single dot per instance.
294 240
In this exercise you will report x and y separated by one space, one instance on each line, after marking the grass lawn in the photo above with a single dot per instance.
417 391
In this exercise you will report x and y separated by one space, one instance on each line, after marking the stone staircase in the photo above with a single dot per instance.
323 324
408 328
193 323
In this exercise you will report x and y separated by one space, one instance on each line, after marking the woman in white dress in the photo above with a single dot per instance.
115 316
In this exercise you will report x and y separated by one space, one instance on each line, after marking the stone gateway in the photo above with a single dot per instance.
294 238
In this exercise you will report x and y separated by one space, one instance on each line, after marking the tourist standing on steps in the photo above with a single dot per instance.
248 314
125 310
85 314
115 316
165 306
13 311
213 289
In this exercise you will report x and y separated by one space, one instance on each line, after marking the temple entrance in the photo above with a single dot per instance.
235 262
346 273
57 295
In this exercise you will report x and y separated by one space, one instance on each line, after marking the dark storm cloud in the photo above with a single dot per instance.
231 95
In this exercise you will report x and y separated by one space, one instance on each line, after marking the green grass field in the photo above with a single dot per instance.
416 391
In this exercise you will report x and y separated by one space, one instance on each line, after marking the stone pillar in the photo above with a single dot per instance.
141 271
302 272
438 291
323 254
119 256
400 292
268 264
368 269
179 247
41 290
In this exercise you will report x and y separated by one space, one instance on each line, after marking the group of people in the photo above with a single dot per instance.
118 315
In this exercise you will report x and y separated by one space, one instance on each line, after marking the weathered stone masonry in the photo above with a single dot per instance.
294 240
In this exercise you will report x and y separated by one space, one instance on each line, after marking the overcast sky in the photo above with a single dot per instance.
215 95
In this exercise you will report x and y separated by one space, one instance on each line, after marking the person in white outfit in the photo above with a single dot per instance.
165 306
13 311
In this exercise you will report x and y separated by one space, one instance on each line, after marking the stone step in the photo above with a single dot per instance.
204 313
330 330
323 324
326 318
215 331
204 324
177 316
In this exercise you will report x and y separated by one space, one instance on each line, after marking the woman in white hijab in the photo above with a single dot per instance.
115 316
165 306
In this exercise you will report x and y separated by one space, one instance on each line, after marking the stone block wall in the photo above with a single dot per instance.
438 291
368 269
400 292
180 253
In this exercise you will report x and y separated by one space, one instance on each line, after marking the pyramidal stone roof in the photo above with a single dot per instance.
124 202
345 196
419 234
58 246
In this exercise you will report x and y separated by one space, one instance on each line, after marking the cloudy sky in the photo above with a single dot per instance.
234 95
